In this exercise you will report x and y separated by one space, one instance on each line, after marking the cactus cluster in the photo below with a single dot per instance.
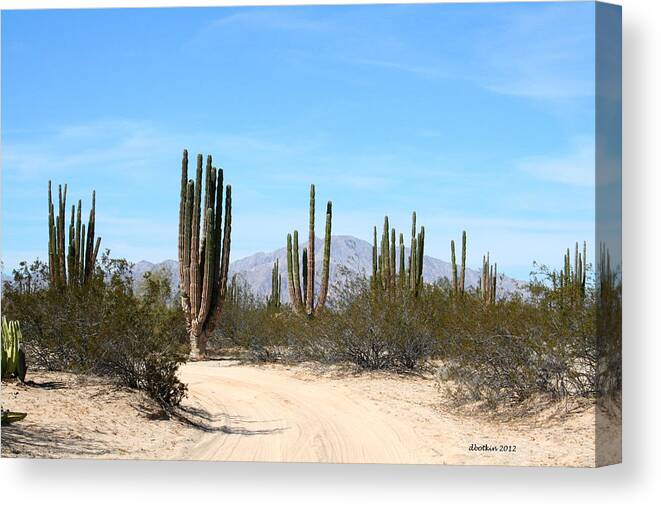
488 283
74 263
273 301
572 279
232 296
459 281
384 265
301 294
204 250
13 357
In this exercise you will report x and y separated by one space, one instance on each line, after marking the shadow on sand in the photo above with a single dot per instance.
40 442
234 425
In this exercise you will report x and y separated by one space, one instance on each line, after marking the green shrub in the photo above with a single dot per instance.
103 328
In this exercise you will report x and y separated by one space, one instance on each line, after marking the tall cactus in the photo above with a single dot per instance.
273 301
488 283
385 274
302 296
204 250
459 281
75 264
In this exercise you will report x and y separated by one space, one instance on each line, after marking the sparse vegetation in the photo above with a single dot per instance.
542 341
560 337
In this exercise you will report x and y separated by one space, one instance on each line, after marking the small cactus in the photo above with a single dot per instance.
13 357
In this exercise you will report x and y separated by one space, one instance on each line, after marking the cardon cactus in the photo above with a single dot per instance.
572 281
273 301
302 295
73 264
204 253
488 283
458 281
13 357
384 265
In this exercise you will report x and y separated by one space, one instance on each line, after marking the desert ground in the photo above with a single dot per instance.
301 413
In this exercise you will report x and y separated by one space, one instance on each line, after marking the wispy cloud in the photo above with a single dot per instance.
575 168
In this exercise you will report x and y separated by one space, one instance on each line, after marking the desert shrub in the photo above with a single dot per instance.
377 329
240 317
103 328
520 346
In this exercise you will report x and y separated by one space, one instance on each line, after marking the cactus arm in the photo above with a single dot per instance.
463 262
182 212
325 272
421 256
375 259
208 274
393 257
453 261
71 254
585 264
213 320
306 294
298 301
51 236
402 267
60 233
290 273
218 234
195 242
209 194
309 284
385 253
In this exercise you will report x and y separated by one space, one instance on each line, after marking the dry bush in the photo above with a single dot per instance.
509 351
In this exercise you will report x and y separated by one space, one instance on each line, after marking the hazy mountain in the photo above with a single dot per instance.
348 252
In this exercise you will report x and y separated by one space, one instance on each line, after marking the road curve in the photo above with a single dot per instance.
266 415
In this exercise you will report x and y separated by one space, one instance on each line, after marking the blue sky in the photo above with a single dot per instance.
477 116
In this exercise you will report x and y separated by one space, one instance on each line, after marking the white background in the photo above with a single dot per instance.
636 482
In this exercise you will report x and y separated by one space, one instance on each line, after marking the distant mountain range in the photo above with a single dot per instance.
348 254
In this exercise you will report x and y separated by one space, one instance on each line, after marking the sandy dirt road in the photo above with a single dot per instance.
275 413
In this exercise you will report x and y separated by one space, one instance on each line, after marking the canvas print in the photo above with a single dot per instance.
324 234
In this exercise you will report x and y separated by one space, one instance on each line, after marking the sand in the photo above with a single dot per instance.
302 413
78 416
